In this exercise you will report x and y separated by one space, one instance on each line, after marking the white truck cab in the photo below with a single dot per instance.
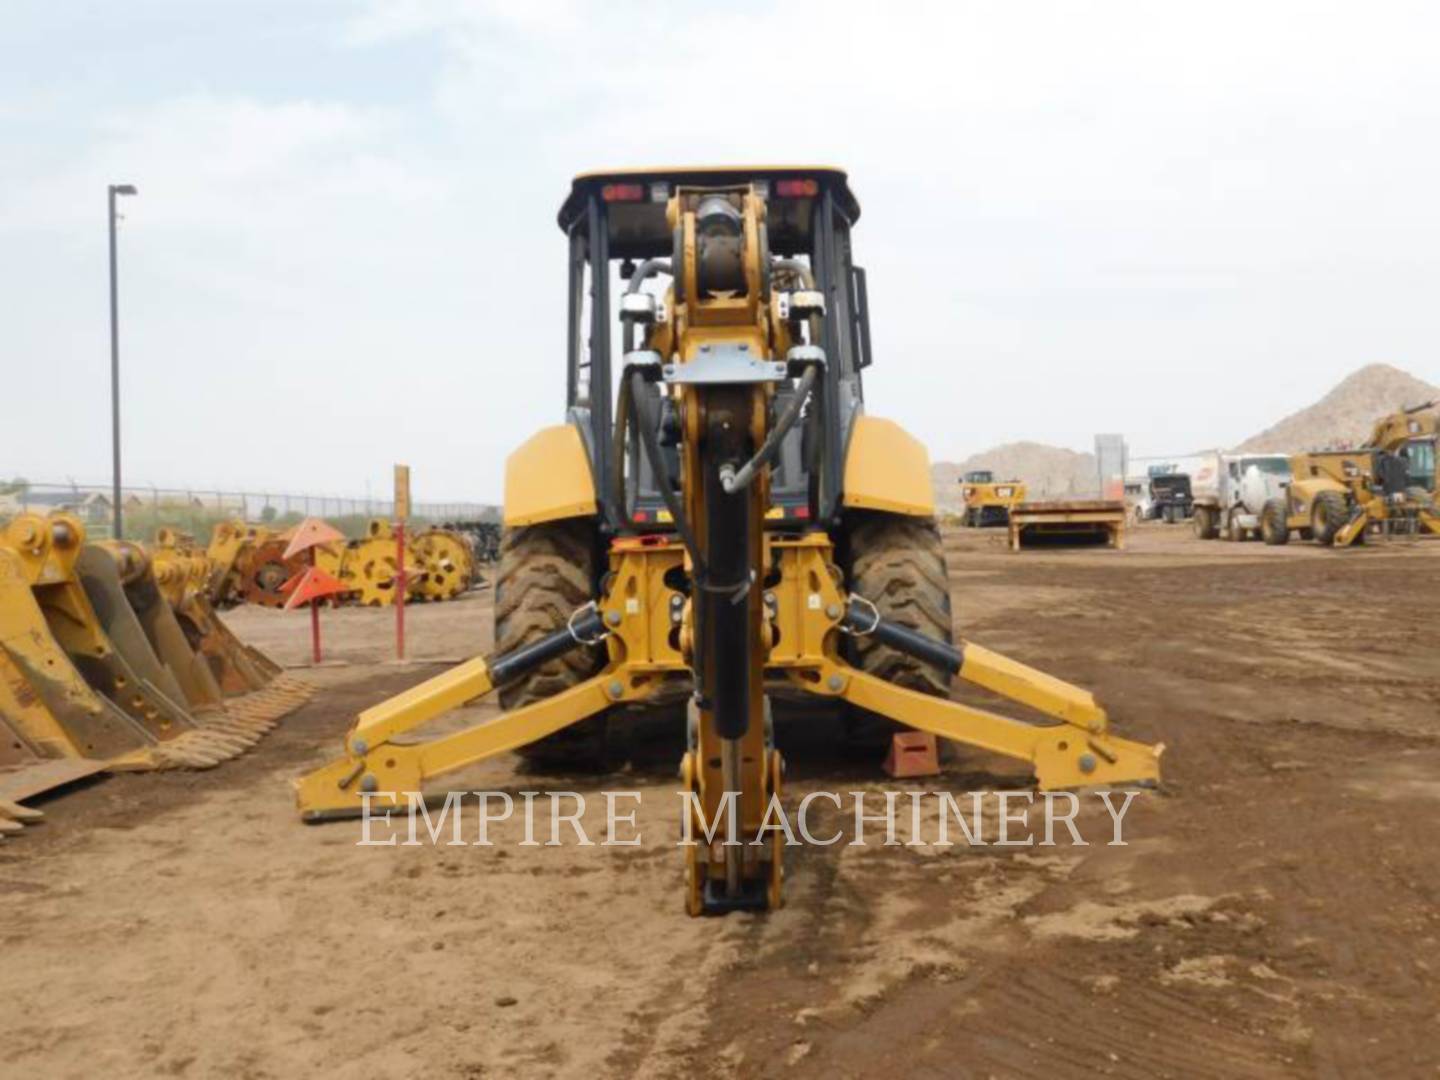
1232 489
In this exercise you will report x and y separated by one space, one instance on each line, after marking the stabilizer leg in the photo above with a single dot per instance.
1062 755
376 765
1075 752
387 770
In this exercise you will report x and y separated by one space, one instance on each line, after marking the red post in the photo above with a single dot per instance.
400 585
314 620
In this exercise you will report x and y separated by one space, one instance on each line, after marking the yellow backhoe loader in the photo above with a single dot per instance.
732 524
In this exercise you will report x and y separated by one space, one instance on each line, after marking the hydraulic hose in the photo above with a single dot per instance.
732 479
796 267
632 400
646 269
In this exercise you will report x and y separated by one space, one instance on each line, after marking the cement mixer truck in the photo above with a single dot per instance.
1231 490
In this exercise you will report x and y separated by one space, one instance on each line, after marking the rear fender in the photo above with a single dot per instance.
548 478
887 468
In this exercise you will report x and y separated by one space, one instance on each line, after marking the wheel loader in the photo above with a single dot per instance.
717 521
1337 497
988 501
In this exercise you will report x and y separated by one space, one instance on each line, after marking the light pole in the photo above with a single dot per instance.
115 189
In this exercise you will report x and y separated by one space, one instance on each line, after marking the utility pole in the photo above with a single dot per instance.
114 190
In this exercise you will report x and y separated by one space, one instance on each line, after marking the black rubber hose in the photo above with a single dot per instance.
650 445
743 477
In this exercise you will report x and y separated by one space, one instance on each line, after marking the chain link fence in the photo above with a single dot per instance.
196 511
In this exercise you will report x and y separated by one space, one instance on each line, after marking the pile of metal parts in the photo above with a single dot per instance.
112 659
247 564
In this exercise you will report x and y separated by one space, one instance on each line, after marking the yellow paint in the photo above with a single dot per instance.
548 478
1077 750
887 468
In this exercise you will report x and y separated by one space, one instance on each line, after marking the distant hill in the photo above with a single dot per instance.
1048 471
1345 415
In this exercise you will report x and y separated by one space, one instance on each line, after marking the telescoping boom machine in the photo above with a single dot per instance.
735 531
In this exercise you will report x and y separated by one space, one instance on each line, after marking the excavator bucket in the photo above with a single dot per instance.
125 674
24 773
109 572
223 581
90 682
44 698
254 687
158 622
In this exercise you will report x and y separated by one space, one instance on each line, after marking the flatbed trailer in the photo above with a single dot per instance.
1080 519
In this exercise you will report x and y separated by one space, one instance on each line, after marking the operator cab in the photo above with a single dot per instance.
617 227
980 476
1419 458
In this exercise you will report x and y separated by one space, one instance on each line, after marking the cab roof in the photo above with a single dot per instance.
707 175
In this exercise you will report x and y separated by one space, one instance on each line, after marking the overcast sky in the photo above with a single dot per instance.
1177 221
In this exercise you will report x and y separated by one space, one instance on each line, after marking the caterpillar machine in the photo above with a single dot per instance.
732 524
988 502
1336 496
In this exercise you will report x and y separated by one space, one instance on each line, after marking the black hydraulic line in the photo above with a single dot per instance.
723 623
650 444
586 627
738 480
861 618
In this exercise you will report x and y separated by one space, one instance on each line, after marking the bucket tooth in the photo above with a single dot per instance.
16 812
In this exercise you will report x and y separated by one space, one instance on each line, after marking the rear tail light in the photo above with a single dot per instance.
623 192
796 189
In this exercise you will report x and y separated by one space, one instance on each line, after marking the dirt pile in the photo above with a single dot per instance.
1047 471
1345 415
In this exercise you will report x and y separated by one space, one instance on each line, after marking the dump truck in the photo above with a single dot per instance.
1166 496
988 501
731 522
1231 492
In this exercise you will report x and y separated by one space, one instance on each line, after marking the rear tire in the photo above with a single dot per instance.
1328 517
898 563
546 572
1274 529
1206 527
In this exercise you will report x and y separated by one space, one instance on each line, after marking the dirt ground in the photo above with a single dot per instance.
1276 911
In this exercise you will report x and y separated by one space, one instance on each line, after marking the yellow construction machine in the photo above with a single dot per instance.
988 501
104 668
731 525
1337 497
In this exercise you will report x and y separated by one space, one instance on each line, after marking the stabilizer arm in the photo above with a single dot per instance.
375 763
1076 752
1353 529
1063 755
